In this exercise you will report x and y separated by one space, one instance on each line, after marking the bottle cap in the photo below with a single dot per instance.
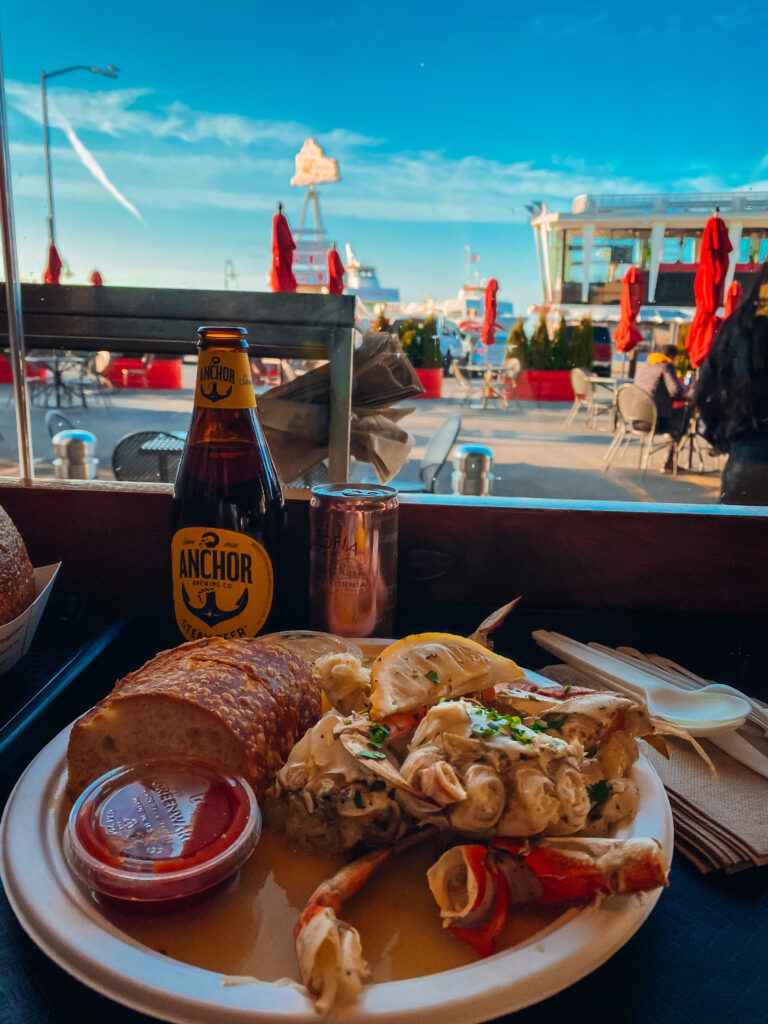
214 334
161 830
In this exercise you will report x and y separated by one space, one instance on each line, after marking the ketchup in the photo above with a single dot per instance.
161 830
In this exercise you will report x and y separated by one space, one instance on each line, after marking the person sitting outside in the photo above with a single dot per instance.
658 378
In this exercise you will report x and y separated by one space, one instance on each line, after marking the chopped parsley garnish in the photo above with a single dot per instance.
566 688
538 726
358 800
556 722
599 791
378 734
433 677
375 755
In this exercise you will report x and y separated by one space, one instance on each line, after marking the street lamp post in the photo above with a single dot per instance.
111 72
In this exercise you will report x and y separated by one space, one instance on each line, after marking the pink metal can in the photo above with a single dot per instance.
353 559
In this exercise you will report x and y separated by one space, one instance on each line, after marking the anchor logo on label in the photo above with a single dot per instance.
209 612
213 394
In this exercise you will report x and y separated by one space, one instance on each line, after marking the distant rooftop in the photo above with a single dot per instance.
671 202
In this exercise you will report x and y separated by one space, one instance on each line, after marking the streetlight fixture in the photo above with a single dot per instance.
110 72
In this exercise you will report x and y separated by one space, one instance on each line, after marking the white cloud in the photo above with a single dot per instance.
113 112
168 167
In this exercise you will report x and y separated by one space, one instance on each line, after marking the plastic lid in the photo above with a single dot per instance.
73 435
161 830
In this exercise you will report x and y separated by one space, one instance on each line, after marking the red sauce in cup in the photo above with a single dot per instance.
161 830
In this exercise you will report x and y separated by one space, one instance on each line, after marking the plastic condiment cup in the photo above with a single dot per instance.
161 830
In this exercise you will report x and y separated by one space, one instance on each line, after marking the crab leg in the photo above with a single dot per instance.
579 870
475 885
328 950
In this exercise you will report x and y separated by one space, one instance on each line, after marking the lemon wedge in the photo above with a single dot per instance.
421 669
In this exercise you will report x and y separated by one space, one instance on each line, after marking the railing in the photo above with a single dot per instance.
684 202
165 321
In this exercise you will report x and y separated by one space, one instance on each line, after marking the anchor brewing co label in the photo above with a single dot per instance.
222 583
224 380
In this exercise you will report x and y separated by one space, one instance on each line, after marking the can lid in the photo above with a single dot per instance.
355 492
161 830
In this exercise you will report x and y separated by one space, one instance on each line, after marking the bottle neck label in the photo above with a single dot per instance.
222 583
224 380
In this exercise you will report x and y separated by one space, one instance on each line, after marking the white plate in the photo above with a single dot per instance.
68 926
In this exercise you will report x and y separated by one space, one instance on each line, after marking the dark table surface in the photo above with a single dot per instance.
700 957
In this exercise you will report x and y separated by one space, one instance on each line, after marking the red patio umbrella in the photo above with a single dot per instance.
335 272
488 334
53 270
708 288
627 335
96 279
281 276
733 298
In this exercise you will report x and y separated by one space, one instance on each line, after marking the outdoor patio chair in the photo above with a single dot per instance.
585 396
92 382
637 417
138 376
510 371
435 455
55 421
465 385
149 456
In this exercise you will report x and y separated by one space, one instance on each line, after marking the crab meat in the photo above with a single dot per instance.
344 680
512 780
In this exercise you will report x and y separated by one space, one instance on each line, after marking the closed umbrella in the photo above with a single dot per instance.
96 279
733 298
53 270
708 287
627 335
488 333
335 272
281 276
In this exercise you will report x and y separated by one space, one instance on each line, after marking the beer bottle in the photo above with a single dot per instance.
228 516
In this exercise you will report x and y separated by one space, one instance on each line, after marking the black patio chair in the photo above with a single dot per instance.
149 456
56 421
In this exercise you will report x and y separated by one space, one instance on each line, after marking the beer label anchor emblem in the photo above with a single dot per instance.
224 381
222 583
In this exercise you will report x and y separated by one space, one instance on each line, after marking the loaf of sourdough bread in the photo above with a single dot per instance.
238 704
17 581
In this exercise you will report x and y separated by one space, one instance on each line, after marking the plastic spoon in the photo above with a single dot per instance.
690 709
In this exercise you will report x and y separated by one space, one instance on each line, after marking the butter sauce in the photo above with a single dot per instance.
246 926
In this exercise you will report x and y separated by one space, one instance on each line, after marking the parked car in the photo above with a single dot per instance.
447 330
603 350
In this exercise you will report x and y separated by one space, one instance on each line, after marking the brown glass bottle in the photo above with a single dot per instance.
228 517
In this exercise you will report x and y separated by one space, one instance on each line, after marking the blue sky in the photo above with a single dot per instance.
446 118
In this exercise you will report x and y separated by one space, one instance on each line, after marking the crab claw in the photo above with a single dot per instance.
328 950
493 621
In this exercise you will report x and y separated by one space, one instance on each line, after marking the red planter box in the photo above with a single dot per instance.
6 376
545 386
163 374
432 382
